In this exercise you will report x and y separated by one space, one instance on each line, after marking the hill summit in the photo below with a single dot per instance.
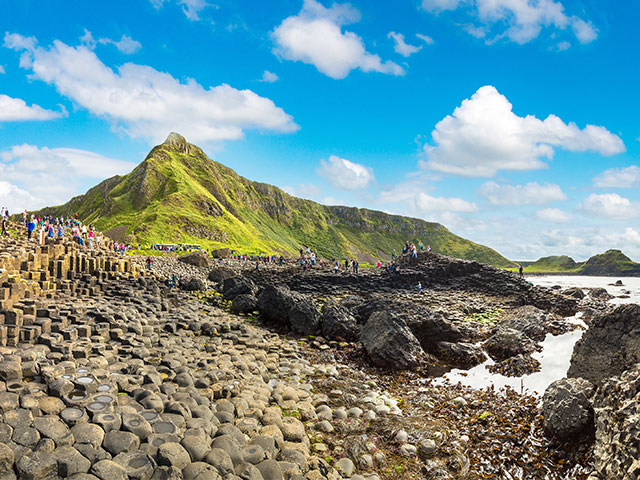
179 195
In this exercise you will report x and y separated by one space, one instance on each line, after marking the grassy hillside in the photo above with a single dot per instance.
612 262
177 194
554 264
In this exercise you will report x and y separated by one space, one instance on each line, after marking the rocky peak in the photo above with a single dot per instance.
177 141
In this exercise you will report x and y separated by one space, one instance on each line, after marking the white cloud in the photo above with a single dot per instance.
584 243
346 175
143 102
191 8
17 110
530 194
585 32
304 190
269 77
52 175
425 38
628 177
15 199
609 205
412 194
562 46
401 47
440 5
553 215
483 135
126 44
519 20
2 72
315 37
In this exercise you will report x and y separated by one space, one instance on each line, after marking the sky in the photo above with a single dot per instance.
514 123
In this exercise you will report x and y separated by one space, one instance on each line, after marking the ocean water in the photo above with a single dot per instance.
555 356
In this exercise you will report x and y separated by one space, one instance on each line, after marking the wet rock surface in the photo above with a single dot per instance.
567 408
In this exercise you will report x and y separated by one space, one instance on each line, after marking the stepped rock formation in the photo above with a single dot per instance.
177 194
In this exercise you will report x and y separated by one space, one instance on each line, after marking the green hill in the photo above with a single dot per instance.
612 262
554 264
178 195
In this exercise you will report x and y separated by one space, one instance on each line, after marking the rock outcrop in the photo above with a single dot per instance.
610 346
567 409
389 342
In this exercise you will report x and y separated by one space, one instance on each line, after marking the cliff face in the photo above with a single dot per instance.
178 194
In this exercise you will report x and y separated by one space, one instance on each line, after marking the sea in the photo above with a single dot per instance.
555 356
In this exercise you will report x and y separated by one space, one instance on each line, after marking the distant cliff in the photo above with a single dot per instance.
610 263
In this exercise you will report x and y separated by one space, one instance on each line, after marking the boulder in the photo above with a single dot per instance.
528 320
220 274
465 355
600 294
238 285
507 342
389 342
197 259
339 324
274 303
610 346
567 409
244 303
430 328
304 318
193 285
574 292
221 253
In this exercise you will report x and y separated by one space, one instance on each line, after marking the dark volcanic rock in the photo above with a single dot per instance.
304 318
338 323
430 328
238 285
600 294
465 355
197 259
616 421
244 303
610 346
389 342
516 366
274 304
567 408
507 342
220 274
194 285
574 292
529 320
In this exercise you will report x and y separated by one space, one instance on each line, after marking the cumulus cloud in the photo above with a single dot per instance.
519 20
191 8
530 194
144 102
16 199
46 176
346 175
17 110
315 37
2 70
269 77
628 177
553 215
483 135
401 47
609 205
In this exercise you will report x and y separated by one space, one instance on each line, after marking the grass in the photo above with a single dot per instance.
177 197
612 262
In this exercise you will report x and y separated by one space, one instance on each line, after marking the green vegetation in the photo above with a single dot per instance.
612 262
178 195
491 317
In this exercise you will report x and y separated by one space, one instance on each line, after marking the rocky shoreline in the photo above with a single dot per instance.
276 374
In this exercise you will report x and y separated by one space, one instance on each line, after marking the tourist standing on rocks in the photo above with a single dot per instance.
4 226
520 270
419 287
91 236
148 263
30 228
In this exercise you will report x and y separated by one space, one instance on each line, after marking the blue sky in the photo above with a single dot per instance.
512 122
